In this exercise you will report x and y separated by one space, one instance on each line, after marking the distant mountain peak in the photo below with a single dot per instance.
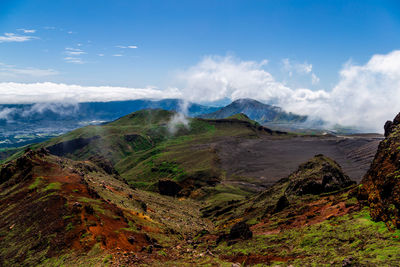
257 111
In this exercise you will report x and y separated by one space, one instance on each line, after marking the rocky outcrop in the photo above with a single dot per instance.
391 125
318 175
380 187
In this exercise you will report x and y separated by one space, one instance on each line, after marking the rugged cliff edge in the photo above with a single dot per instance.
380 187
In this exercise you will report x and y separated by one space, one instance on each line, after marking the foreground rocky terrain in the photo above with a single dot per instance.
143 191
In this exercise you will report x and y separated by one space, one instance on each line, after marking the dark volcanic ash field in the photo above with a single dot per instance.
263 161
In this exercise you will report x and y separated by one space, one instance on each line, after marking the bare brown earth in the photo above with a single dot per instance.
263 161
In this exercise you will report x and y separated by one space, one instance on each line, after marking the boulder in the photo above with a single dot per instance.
241 230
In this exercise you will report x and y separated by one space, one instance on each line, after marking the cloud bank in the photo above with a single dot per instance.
365 95
48 92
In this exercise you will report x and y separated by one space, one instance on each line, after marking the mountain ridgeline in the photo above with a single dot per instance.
255 110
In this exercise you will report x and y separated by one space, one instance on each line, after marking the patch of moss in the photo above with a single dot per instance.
69 227
52 186
37 183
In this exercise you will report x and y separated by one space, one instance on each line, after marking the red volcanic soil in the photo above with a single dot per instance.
56 209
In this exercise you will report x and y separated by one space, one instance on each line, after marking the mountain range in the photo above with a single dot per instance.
27 123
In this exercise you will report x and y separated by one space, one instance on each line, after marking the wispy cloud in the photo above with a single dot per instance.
292 68
27 30
117 55
314 79
75 60
100 55
126 46
13 71
12 37
73 55
74 51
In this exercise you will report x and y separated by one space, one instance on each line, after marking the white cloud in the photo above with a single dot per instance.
365 96
132 46
12 37
368 94
215 78
27 30
100 55
117 55
6 113
55 92
120 46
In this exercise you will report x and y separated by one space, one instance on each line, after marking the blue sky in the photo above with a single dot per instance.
173 35
201 50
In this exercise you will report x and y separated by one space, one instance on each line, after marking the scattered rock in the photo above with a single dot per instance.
241 230
282 203
89 209
131 239
347 262
77 205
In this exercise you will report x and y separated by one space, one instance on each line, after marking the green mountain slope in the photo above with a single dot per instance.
146 146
